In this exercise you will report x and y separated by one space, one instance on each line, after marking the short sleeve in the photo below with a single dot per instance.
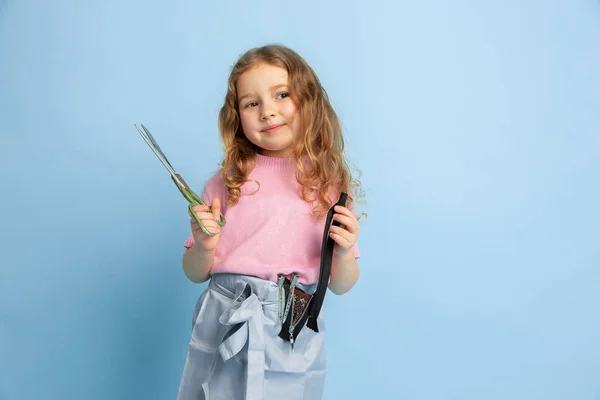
356 251
189 242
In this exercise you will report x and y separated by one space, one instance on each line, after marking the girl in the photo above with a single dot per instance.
283 169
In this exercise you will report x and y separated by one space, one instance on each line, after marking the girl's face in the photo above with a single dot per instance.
267 113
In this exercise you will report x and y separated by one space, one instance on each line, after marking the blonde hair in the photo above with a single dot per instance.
321 145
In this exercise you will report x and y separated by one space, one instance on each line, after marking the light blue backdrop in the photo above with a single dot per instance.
476 126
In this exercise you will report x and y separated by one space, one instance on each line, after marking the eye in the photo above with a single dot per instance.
283 95
251 104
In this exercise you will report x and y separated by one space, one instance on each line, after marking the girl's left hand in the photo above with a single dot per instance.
346 234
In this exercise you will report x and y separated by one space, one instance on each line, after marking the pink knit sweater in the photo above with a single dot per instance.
270 232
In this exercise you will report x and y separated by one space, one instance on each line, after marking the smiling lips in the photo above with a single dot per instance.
272 128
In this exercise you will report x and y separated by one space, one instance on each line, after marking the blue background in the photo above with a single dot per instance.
476 126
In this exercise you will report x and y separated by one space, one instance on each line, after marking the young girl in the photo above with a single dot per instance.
282 172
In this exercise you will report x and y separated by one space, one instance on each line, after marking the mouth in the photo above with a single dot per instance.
272 128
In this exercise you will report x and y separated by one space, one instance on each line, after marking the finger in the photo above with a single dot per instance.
342 210
340 240
209 218
198 212
343 233
200 208
216 207
348 222
211 225
204 216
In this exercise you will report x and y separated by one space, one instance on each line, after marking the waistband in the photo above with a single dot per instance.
266 291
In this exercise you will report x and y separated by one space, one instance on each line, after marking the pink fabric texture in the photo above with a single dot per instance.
270 231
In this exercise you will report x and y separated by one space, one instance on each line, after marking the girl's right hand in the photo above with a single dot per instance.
203 241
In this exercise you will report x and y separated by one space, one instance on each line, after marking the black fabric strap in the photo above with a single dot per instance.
326 259
316 301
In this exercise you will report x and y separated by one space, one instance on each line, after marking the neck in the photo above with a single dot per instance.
275 163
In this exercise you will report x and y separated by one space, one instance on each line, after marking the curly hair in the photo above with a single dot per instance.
321 166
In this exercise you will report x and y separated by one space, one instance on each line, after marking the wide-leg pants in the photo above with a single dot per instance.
235 351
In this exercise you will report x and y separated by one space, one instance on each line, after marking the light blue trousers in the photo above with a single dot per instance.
235 351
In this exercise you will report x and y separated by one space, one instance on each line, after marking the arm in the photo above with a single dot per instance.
344 268
197 263
198 260
344 273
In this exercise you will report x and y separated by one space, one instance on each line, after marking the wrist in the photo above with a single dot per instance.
200 250
344 272
348 255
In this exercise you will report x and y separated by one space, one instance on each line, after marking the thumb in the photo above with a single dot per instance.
216 207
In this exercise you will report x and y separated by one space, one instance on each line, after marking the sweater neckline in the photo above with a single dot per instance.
275 163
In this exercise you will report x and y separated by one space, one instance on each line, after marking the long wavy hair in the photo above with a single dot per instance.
321 166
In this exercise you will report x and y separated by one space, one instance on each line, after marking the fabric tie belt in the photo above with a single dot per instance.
248 317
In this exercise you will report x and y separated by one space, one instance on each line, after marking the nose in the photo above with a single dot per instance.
268 111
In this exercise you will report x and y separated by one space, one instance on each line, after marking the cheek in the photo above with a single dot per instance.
288 110
294 116
246 121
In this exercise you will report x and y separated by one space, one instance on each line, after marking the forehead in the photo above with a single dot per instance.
261 77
